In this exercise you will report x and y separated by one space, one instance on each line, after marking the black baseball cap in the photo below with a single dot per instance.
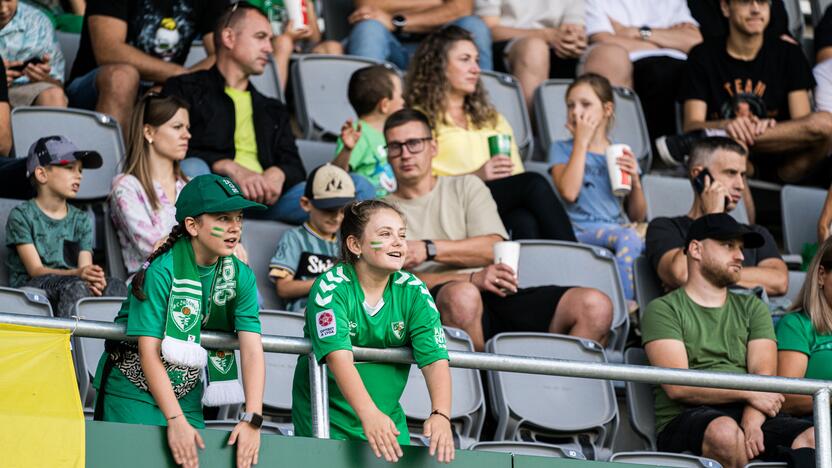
721 226
58 150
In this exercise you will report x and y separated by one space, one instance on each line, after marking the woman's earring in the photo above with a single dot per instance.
149 141
358 256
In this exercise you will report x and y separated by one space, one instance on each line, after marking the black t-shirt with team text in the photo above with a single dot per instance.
162 28
732 87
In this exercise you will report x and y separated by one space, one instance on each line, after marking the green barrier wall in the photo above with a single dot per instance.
128 446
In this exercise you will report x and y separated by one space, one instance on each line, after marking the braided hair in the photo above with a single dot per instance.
176 233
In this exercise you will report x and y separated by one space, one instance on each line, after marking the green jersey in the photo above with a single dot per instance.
715 338
369 158
147 318
338 318
796 333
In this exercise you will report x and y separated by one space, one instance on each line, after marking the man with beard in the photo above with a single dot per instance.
704 326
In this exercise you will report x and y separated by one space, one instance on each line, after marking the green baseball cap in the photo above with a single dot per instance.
211 193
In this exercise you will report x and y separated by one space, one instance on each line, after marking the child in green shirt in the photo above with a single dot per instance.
374 92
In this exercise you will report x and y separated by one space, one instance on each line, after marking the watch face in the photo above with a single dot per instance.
256 420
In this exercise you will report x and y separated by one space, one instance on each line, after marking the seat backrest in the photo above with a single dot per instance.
563 263
664 459
321 103
545 402
630 126
315 153
280 368
260 240
507 96
800 208
647 282
88 130
796 22
537 449
818 9
468 401
267 83
6 205
70 42
24 302
640 401
335 14
796 279
114 256
88 351
673 196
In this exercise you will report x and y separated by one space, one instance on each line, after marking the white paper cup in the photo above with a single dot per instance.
294 8
508 253
621 181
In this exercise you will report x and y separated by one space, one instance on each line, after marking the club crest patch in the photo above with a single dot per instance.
398 329
222 361
325 323
185 312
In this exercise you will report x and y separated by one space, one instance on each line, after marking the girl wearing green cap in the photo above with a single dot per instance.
368 301
189 284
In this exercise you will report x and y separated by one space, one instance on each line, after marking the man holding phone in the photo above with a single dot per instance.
33 59
716 167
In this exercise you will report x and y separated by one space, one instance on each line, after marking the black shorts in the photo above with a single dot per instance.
529 310
686 432
558 67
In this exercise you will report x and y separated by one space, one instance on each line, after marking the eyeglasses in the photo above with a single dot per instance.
234 7
414 145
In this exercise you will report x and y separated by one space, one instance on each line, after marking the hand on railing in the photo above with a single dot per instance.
381 433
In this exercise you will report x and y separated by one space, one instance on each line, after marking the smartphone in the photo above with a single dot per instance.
699 184
34 60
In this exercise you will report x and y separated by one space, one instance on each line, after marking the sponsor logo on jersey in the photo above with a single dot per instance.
353 326
398 329
325 323
439 337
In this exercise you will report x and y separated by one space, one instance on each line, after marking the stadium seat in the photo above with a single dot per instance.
800 208
88 130
260 240
537 449
506 95
315 153
796 22
673 196
6 205
647 283
545 262
796 279
88 351
577 411
630 126
468 401
70 42
818 9
280 368
664 459
321 104
267 84
114 257
24 302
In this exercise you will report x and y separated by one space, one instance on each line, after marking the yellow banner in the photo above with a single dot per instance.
41 418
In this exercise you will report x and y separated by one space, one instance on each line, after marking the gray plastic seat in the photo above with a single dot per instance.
260 240
537 449
6 205
545 262
569 409
268 83
88 130
280 368
796 279
664 459
630 126
468 401
673 196
640 401
70 42
818 8
24 302
114 257
88 351
320 84
505 93
647 283
796 22
800 208
315 153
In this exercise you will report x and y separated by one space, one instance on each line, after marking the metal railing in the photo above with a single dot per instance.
819 390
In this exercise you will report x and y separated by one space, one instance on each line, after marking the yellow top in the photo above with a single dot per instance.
462 151
245 144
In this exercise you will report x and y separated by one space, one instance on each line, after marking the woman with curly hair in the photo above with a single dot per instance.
444 82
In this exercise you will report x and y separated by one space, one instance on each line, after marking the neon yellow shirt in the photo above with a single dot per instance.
464 151
245 144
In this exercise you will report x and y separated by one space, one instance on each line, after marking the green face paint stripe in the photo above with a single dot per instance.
376 245
216 235
217 229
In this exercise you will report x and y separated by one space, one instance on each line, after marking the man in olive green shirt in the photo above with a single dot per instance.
703 326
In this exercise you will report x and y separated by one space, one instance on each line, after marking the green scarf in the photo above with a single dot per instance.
185 319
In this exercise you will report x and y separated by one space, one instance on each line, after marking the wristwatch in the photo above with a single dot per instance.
399 22
254 419
645 32
430 248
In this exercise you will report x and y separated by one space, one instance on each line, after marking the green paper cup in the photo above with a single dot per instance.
499 145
